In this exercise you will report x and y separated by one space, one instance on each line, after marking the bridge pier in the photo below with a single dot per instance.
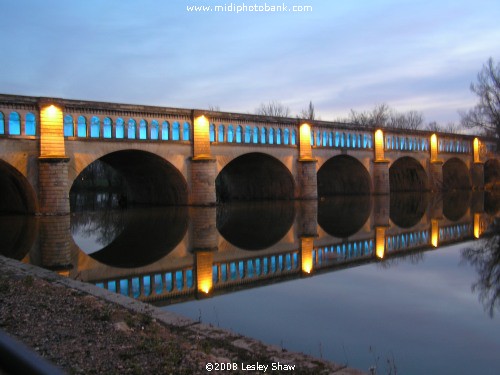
202 189
381 183
55 250
307 179
477 176
203 243
436 175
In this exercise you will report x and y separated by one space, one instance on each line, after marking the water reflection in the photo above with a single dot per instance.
17 235
342 216
407 209
484 255
176 253
123 238
255 225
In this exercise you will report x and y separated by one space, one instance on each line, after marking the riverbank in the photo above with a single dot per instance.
84 329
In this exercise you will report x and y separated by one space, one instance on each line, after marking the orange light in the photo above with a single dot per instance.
51 132
379 145
434 147
307 244
477 157
305 142
477 225
434 233
204 262
201 141
380 242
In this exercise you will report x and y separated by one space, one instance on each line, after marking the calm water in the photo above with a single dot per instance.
418 312
387 282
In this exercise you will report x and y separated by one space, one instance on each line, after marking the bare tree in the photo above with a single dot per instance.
214 108
308 113
486 114
383 116
273 108
379 116
411 120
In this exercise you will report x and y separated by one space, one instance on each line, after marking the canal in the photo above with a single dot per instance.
407 283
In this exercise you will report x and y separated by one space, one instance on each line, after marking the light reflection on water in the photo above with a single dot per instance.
352 279
420 312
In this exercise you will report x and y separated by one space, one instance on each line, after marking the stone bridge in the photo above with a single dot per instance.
52 148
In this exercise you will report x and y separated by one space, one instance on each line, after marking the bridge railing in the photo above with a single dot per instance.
455 145
328 137
131 128
168 283
261 267
406 142
265 134
342 252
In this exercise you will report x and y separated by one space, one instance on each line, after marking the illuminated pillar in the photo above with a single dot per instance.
435 166
201 138
53 163
379 145
380 176
306 254
434 233
434 148
305 150
306 168
380 242
477 167
204 283
203 236
477 225
202 166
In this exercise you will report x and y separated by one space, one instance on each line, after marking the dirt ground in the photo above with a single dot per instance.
85 334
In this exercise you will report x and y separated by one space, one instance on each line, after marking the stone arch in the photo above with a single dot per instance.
456 175
343 175
492 174
254 176
129 177
407 174
16 193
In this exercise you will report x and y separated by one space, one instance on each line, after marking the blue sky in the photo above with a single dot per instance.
412 55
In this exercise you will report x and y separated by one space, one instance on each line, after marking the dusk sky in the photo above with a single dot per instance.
411 55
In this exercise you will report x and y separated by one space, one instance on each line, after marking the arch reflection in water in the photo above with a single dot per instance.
342 216
17 235
210 264
255 225
129 239
407 209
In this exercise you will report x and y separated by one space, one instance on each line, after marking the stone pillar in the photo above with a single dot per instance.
381 184
53 163
380 241
204 282
436 175
306 254
202 189
307 179
307 219
55 236
203 171
477 176
381 211
53 186
203 232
